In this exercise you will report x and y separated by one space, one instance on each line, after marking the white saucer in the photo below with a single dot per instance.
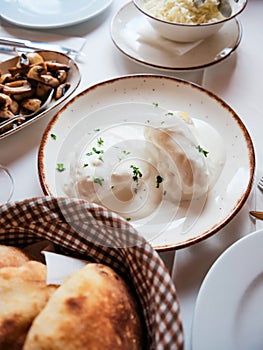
50 13
134 37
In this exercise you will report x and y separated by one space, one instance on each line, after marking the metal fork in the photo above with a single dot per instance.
20 117
258 214
260 184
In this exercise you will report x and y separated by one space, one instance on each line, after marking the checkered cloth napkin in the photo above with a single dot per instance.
87 231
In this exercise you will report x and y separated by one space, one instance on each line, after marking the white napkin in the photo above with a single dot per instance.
60 266
148 36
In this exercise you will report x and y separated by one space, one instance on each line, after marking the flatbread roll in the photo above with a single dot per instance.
92 309
23 294
12 256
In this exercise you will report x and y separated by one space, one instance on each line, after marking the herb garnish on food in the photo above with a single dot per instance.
159 180
98 180
136 173
53 136
200 149
60 167
100 141
97 151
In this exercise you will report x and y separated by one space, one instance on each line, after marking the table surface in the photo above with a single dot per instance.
237 80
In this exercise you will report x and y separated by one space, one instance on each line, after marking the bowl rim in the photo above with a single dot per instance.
189 25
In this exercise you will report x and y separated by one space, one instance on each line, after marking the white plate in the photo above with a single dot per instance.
73 78
229 308
130 99
51 13
134 37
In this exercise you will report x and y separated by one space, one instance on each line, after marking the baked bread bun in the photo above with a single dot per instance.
23 294
92 309
12 256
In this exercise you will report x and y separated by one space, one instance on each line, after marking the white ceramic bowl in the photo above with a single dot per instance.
183 32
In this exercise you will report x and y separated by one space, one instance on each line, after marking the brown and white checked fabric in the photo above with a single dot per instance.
80 229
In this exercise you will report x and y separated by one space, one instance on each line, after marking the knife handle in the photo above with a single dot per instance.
15 41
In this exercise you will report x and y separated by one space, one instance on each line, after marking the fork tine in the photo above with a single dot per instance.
260 184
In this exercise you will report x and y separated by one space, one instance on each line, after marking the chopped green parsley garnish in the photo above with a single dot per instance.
89 154
60 167
100 142
128 219
98 180
97 130
169 113
85 165
159 180
126 152
97 151
200 149
156 104
136 173
53 136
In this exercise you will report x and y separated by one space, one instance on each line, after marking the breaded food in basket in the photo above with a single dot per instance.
12 256
92 309
23 294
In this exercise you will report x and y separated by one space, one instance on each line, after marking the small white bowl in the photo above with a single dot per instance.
186 32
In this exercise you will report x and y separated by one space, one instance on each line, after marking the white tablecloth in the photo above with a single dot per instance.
237 80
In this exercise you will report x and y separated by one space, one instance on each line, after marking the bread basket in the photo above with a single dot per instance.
83 230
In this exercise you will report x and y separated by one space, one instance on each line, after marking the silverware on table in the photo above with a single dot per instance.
8 44
258 214
260 184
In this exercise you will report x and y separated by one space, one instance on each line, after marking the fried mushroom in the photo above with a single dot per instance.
5 78
6 114
55 66
61 75
61 90
42 90
14 107
34 58
39 73
31 104
5 101
16 87
36 72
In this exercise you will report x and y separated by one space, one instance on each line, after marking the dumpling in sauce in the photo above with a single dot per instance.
175 151
121 192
